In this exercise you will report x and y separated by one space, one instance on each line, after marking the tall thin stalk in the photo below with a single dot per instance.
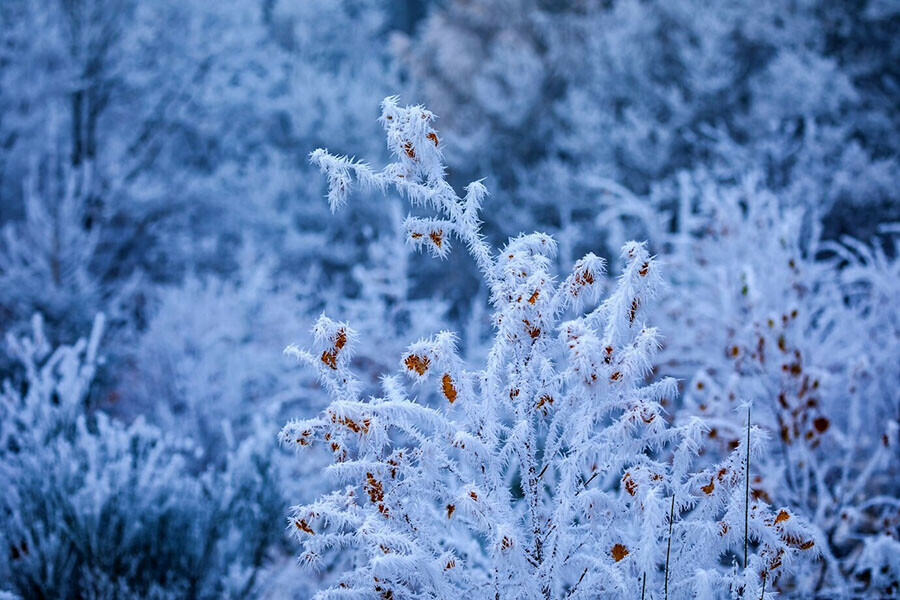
669 545
747 492
644 586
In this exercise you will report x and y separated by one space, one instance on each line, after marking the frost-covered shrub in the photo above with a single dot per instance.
548 471
96 509
805 329
204 369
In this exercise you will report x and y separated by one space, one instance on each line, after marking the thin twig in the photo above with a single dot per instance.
763 595
644 585
669 545
575 587
747 492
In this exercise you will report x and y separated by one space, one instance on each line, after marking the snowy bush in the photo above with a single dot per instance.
548 471
770 312
96 509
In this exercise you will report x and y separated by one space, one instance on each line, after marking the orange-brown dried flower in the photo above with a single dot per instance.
416 363
448 388
533 331
352 425
302 525
330 359
340 339
633 312
374 488
544 401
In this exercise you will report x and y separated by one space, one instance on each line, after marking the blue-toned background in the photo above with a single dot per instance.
163 237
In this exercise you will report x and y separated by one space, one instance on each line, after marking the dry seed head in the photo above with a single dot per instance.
821 424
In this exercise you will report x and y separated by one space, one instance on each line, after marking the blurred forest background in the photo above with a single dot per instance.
154 171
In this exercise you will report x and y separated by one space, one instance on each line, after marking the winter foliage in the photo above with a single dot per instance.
545 472
683 384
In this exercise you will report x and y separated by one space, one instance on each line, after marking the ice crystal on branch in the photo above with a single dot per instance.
548 472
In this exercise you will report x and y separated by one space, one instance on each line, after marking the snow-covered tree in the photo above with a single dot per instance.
547 472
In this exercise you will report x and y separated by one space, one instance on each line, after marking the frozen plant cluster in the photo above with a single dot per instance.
157 200
546 472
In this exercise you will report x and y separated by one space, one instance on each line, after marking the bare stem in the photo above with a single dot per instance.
747 493
669 545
